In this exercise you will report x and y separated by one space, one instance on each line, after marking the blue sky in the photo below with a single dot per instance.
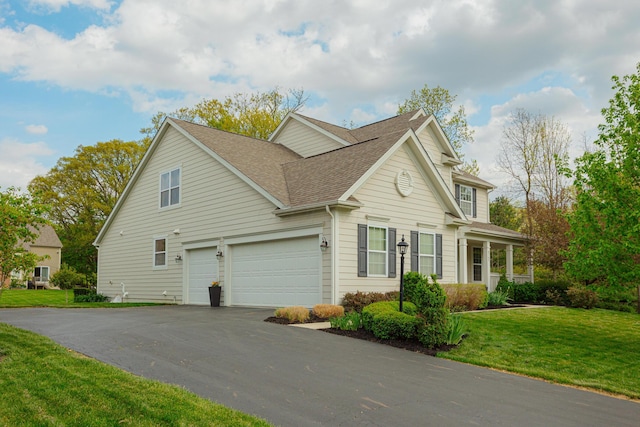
75 72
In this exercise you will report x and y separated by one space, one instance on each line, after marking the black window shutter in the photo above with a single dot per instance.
392 252
458 194
415 265
439 255
362 250
475 209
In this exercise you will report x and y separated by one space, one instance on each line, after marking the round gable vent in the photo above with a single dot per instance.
404 182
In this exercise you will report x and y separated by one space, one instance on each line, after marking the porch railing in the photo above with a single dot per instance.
517 278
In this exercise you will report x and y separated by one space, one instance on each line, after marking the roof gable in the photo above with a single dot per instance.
46 237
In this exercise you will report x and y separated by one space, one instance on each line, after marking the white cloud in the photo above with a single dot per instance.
19 162
36 129
350 51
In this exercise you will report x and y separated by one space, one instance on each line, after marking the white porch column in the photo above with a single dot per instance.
510 263
462 261
531 266
486 264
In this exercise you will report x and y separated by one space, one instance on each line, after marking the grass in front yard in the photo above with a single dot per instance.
51 298
45 384
597 349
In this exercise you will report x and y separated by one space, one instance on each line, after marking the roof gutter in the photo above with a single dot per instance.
318 206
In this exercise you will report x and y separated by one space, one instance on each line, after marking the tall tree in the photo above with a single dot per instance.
605 223
82 190
256 115
20 217
503 213
440 102
534 153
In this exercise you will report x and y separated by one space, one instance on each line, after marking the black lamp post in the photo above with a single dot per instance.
402 248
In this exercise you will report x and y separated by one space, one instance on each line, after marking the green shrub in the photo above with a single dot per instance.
457 329
349 322
385 321
542 291
359 300
581 297
465 297
90 297
619 298
497 298
67 277
429 299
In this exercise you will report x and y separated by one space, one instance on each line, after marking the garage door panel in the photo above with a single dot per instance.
203 269
276 273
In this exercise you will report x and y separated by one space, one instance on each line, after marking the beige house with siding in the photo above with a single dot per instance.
47 246
301 219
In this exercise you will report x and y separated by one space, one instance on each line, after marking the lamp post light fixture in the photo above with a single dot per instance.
402 248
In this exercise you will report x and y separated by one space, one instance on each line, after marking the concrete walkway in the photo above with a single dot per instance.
299 377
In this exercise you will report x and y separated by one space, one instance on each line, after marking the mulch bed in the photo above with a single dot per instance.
411 345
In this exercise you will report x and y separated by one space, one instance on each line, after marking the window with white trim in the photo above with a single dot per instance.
377 251
477 264
427 253
41 274
170 188
160 252
466 200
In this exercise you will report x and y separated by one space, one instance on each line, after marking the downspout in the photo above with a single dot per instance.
333 256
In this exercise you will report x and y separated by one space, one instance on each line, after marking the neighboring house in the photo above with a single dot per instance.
301 219
48 246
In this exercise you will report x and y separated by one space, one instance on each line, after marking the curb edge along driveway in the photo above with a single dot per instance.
298 376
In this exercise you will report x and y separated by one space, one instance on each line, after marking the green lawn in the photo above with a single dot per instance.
45 384
50 298
597 349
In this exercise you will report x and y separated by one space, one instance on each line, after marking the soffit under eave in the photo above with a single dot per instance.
493 237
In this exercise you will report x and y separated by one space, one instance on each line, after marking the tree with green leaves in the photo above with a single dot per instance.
503 213
604 242
256 115
82 190
20 218
440 102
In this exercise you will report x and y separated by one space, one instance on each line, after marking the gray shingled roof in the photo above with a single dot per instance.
495 229
297 181
47 237
328 176
339 131
261 161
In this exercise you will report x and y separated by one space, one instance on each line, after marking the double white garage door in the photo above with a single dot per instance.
274 273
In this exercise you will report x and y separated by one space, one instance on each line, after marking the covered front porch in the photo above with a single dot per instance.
485 251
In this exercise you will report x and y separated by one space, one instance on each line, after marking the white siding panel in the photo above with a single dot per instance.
215 205
304 140
382 200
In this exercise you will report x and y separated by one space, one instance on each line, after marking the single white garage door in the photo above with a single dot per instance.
203 269
276 273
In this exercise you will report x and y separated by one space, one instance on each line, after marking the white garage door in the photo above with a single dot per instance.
276 273
203 269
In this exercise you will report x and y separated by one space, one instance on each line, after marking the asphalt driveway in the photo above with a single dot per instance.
298 377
